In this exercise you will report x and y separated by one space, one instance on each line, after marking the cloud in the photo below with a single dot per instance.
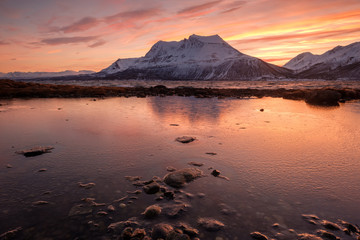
97 43
133 15
232 7
198 8
81 25
67 40
3 43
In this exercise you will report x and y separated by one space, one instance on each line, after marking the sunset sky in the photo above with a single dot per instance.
57 35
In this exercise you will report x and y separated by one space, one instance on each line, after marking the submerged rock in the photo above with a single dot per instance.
323 97
307 236
37 203
152 211
87 185
180 177
170 169
185 139
161 231
196 164
174 210
210 224
330 225
32 152
187 229
349 227
118 227
151 188
258 236
327 235
80 209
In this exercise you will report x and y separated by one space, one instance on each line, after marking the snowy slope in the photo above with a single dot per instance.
198 57
337 57
30 75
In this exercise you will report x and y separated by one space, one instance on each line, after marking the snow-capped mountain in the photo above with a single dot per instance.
198 57
31 75
339 62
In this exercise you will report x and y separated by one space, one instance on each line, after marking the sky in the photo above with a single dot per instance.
58 35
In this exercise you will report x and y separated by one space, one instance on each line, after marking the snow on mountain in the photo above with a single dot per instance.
30 75
339 56
198 57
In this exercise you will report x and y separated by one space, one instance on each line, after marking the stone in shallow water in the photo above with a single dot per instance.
323 97
10 234
196 164
258 236
330 225
327 235
152 211
180 177
185 139
307 236
151 188
86 185
32 152
37 203
80 209
161 230
118 227
210 224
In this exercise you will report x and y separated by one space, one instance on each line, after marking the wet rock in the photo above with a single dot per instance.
170 169
42 170
121 199
133 198
174 125
185 139
91 202
174 210
122 205
311 218
126 234
215 173
87 185
139 233
210 224
152 211
10 234
261 109
201 195
118 227
177 236
32 152
180 177
323 97
8 166
111 208
37 203
80 209
170 195
151 188
132 178
196 164
211 153
134 192
307 236
187 229
350 227
258 236
161 231
330 225
327 235
102 213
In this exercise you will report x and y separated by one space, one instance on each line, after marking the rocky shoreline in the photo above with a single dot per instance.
320 97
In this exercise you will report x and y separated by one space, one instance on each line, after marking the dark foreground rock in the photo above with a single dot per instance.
35 151
322 97
180 177
258 236
210 224
185 139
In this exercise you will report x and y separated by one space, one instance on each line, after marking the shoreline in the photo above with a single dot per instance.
321 96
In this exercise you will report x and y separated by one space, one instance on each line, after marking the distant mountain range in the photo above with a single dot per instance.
31 75
211 58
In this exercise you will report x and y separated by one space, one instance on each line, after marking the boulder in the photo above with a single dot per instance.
180 177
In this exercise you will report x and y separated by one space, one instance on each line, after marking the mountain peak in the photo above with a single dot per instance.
207 39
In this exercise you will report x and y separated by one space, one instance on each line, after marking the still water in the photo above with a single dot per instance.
288 160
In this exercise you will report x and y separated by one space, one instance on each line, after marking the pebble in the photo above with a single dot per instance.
8 166
42 170
122 205
210 224
185 139
111 208
86 185
152 211
258 236
215 173
197 164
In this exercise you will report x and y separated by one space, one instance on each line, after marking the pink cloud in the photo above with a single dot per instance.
98 43
81 25
198 8
68 40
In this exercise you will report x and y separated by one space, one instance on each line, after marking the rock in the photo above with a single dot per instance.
330 225
122 205
111 208
42 170
210 224
121 199
170 195
177 236
91 202
10 234
32 152
161 231
310 218
201 195
258 236
152 211
323 97
126 234
132 178
180 177
102 213
211 153
187 229
185 139
197 164
307 236
350 227
118 227
139 233
327 235
134 192
174 125
170 169
8 166
215 173
174 210
86 185
261 109
151 188
37 203
80 209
